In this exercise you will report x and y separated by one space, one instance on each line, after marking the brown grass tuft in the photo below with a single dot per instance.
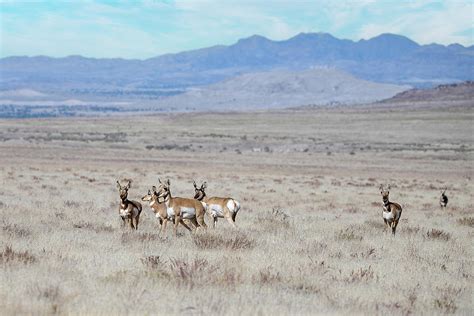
466 221
213 241
11 256
438 234
446 301
348 234
360 275
16 231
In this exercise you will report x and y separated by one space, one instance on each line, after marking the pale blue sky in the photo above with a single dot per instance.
143 29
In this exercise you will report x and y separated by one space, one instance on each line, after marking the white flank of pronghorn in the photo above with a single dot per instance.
217 206
391 211
128 210
443 200
178 208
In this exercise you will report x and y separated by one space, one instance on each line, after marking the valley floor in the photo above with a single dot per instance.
310 237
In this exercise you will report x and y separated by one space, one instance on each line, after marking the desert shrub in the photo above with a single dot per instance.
152 261
8 255
438 234
71 204
467 221
16 231
446 300
190 272
348 234
213 241
410 230
94 227
360 275
267 276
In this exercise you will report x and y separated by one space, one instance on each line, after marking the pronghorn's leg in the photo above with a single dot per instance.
137 219
123 222
163 226
386 224
131 222
177 220
200 220
228 217
394 227
214 224
195 223
234 214
184 224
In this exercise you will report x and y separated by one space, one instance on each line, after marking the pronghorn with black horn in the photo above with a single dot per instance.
391 211
158 208
217 206
443 200
178 208
128 209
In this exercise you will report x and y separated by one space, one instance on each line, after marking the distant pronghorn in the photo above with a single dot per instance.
217 206
128 209
178 208
443 200
391 211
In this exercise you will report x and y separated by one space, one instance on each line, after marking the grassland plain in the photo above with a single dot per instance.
310 237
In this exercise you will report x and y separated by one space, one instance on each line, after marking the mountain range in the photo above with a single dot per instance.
386 58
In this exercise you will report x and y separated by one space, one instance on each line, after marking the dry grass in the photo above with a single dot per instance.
310 237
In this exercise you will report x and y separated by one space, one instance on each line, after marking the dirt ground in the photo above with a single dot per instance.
310 236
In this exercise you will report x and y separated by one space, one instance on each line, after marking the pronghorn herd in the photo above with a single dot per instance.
177 209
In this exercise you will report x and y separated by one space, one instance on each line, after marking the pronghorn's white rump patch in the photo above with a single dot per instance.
232 206
388 216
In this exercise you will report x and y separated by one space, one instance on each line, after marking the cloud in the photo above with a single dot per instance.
149 28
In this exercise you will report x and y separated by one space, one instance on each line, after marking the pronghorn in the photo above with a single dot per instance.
128 209
443 200
217 206
158 208
178 208
391 211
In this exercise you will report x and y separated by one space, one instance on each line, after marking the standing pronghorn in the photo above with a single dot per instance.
128 209
158 208
178 208
217 206
391 211
443 200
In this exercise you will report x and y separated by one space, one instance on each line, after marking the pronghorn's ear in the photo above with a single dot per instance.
118 185
149 192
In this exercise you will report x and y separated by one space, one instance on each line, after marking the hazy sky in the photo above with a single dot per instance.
143 29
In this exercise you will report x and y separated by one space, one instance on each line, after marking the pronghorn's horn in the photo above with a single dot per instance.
118 185
389 186
195 185
168 182
204 185
129 184
159 180
381 187
153 188
149 192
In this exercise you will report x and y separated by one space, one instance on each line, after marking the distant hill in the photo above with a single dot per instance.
450 92
386 58
280 89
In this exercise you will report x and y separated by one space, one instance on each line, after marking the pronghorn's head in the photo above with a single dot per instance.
199 192
163 190
147 197
443 192
123 189
384 192
152 195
